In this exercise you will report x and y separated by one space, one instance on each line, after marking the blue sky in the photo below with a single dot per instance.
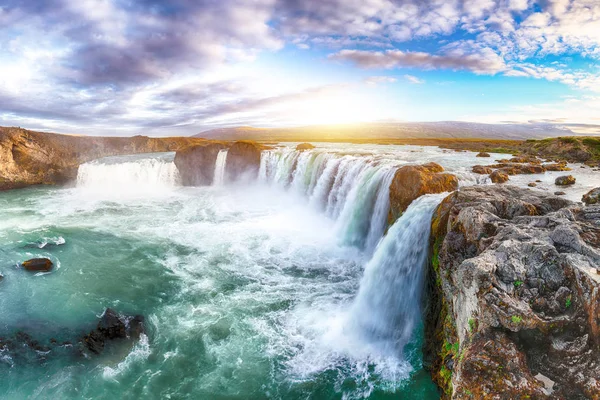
179 67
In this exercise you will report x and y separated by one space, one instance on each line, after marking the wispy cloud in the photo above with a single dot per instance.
414 80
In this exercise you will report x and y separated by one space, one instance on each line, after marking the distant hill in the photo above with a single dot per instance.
404 130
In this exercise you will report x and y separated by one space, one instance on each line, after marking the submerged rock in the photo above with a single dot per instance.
113 326
513 296
565 180
37 265
483 154
413 181
196 164
305 146
592 197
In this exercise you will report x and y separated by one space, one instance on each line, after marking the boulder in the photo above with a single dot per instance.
559 193
592 197
498 177
196 164
532 184
37 265
413 181
305 146
513 297
565 180
483 154
482 169
243 161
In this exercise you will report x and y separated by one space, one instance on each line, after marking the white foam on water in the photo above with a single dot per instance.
139 353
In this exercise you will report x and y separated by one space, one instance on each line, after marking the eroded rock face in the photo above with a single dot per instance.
592 197
413 181
196 164
39 158
514 297
243 160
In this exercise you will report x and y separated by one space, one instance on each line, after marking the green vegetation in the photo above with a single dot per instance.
568 302
472 325
446 376
518 283
516 319
435 260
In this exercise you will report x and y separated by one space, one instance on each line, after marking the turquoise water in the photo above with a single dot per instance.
246 292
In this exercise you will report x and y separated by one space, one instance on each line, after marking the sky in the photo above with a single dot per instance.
114 67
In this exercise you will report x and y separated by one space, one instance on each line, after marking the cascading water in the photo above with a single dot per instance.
219 176
129 173
386 309
353 190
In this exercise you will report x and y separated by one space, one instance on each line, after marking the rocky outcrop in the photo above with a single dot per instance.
243 160
510 168
37 265
305 146
38 158
498 177
513 296
565 180
559 166
413 181
196 164
592 197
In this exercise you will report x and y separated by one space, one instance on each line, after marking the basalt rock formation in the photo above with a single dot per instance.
196 164
38 158
513 291
413 181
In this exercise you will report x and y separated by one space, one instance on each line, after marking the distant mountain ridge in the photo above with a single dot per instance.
401 130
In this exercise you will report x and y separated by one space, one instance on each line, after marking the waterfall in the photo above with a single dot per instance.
129 173
219 176
386 309
352 189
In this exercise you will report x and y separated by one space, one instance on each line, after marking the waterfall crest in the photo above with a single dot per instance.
352 189
220 163
386 309
129 173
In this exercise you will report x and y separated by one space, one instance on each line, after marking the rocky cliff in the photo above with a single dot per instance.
513 291
33 158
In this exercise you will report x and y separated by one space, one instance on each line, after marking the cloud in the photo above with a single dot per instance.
374 80
484 62
414 80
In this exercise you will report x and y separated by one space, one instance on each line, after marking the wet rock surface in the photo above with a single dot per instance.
513 292
413 181
37 265
498 177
